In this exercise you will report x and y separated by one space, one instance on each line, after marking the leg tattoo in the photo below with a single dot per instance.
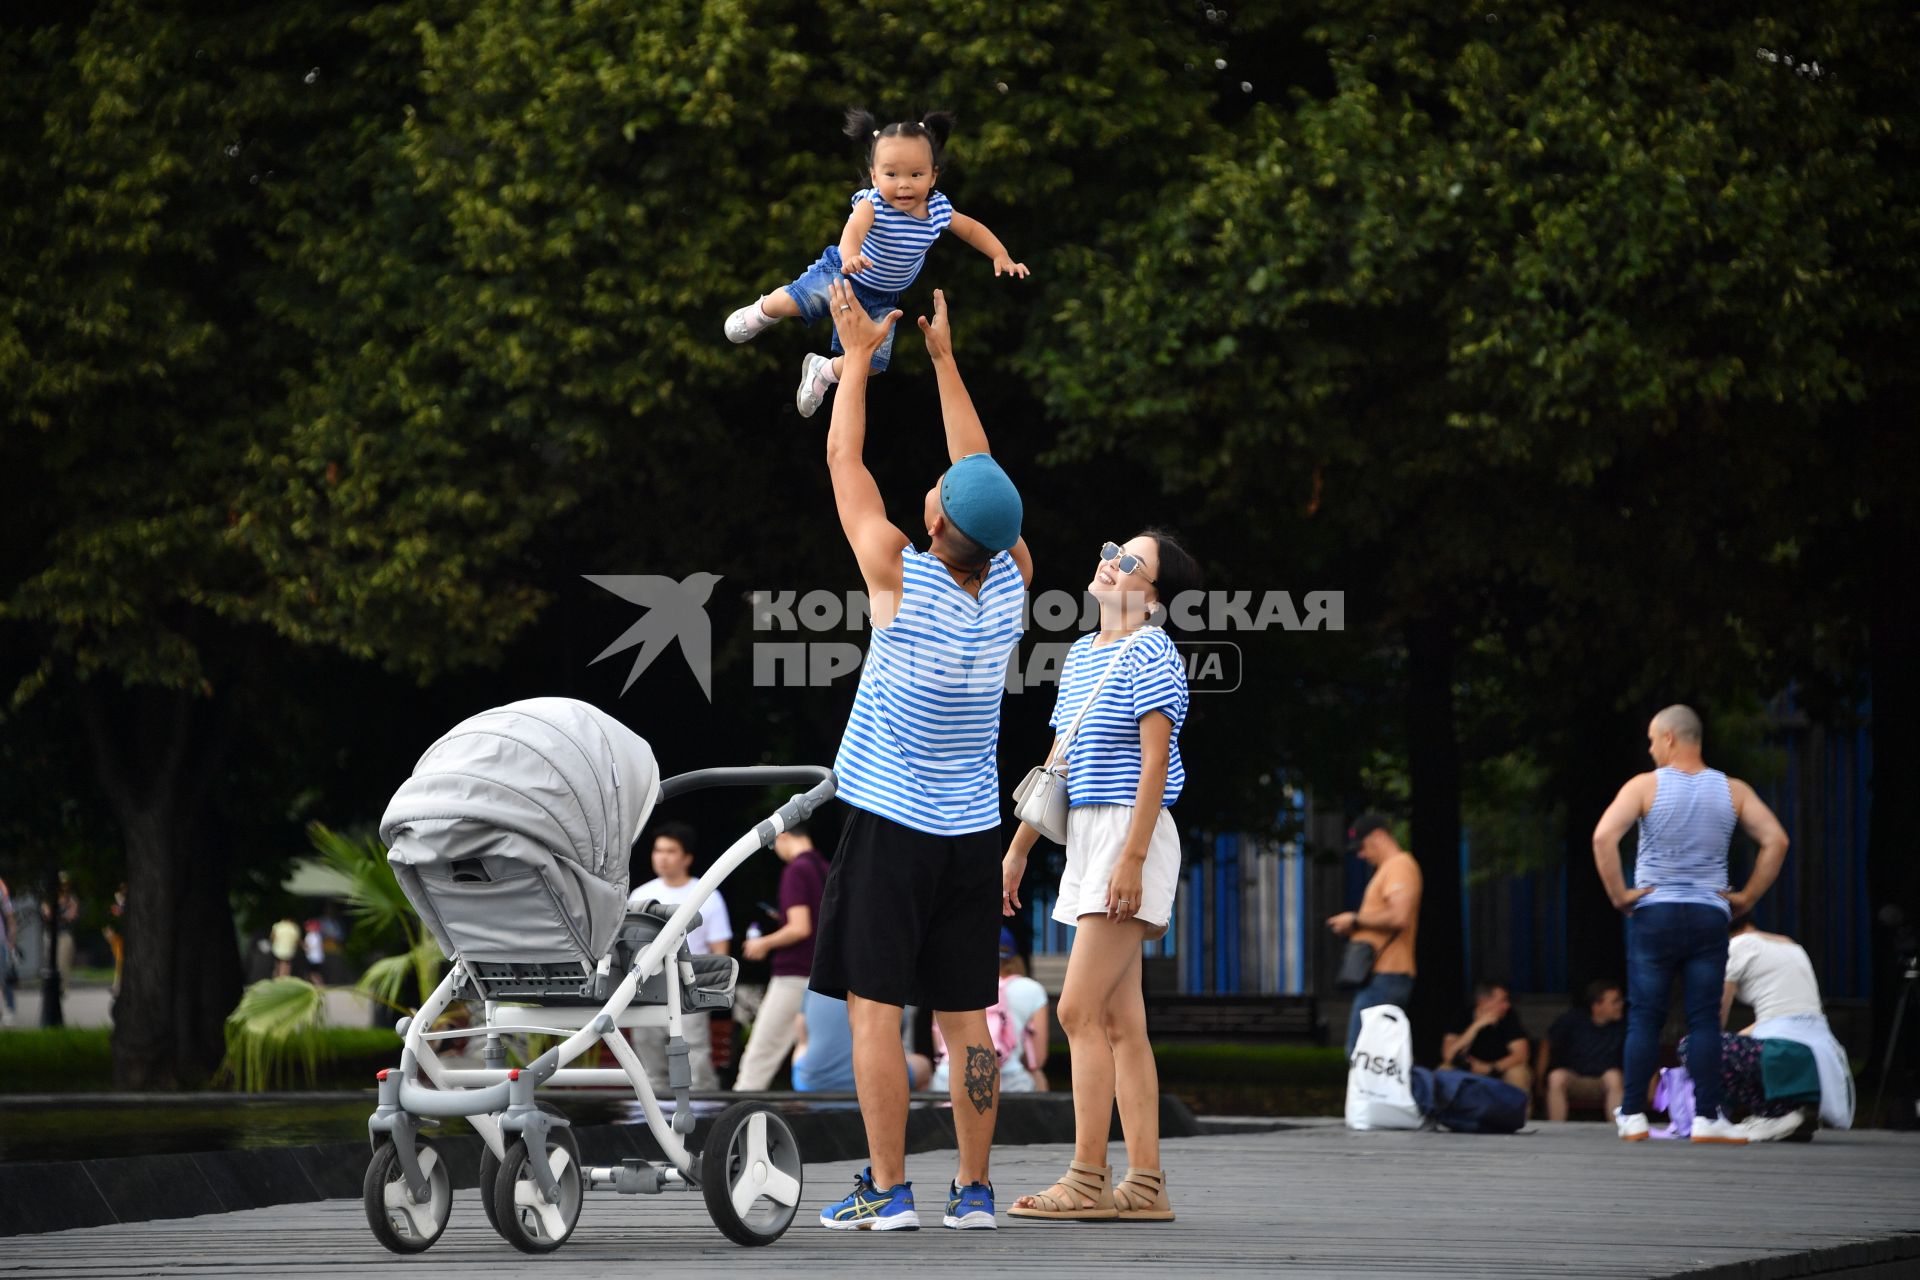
983 1074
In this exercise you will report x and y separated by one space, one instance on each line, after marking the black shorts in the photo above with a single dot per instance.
910 918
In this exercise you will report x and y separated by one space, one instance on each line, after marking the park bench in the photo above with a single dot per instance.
1234 1018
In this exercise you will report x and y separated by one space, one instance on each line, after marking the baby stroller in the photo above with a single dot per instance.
511 840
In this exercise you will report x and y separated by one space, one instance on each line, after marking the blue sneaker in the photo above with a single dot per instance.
871 1209
969 1208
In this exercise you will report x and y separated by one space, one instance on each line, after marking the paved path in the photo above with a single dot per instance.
1566 1200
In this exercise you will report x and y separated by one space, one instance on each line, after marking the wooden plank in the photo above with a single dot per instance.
1314 1200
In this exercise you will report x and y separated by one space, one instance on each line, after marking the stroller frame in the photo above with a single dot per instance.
750 1154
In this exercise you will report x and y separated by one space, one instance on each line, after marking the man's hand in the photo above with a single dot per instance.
1624 901
854 263
859 332
939 333
1004 265
1342 924
756 948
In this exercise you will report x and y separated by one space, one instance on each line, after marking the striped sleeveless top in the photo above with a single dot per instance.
898 242
920 743
1684 839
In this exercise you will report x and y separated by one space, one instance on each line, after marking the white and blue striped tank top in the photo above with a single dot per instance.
921 740
1684 839
1103 760
898 242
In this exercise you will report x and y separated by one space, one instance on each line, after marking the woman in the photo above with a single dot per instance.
1123 865
1773 974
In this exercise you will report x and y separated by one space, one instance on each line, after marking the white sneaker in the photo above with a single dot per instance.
1632 1128
745 324
813 386
1719 1129
1770 1128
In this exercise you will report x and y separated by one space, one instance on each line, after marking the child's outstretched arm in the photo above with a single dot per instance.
859 222
977 234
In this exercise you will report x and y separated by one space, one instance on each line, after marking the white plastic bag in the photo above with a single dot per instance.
1380 1072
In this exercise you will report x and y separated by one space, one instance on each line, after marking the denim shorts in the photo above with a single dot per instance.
809 293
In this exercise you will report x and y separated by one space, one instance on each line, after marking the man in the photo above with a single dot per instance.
1677 913
911 911
1494 1042
791 945
1581 1058
1389 918
674 883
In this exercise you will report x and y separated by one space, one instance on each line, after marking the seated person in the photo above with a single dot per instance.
1582 1059
1493 1042
1772 973
823 1046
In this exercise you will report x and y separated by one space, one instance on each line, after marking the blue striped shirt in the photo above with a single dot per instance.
920 742
898 242
1684 838
1103 760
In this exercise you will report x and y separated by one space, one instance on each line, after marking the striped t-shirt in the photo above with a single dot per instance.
1103 760
1684 837
920 742
898 242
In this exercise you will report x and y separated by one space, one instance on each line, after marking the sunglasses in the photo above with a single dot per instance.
1124 561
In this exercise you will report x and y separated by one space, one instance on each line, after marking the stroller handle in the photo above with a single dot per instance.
798 809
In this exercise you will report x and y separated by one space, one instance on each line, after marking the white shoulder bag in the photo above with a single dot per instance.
1040 800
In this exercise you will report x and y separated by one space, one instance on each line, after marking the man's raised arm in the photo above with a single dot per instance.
965 434
875 541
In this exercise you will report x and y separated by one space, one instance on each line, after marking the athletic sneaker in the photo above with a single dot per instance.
1632 1128
1770 1128
745 324
870 1209
1719 1129
969 1208
813 384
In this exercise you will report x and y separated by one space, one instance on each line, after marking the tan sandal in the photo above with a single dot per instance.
1141 1196
1081 1182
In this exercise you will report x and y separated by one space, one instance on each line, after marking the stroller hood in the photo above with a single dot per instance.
513 835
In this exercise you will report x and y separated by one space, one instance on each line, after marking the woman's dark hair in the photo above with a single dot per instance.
935 126
1179 572
678 832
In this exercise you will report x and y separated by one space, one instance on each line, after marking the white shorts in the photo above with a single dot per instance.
1095 835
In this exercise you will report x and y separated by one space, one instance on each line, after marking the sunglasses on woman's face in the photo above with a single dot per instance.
1124 561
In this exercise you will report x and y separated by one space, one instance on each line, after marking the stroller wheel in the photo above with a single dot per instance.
525 1217
751 1174
398 1221
490 1164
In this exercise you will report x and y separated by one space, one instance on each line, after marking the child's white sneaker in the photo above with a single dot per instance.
816 378
745 324
1718 1129
1770 1128
1632 1128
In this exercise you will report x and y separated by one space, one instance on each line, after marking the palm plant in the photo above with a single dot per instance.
274 1034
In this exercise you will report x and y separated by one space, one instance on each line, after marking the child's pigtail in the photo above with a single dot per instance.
939 127
861 126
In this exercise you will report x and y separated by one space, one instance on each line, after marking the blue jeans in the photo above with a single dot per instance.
809 293
1381 988
1664 940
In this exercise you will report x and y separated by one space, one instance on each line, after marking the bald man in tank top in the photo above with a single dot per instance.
1678 909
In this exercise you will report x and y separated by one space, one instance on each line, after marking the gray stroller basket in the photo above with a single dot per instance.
512 840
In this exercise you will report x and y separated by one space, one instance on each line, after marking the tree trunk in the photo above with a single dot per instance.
52 1010
182 974
1433 761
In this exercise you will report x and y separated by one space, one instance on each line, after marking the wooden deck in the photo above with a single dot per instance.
1311 1200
